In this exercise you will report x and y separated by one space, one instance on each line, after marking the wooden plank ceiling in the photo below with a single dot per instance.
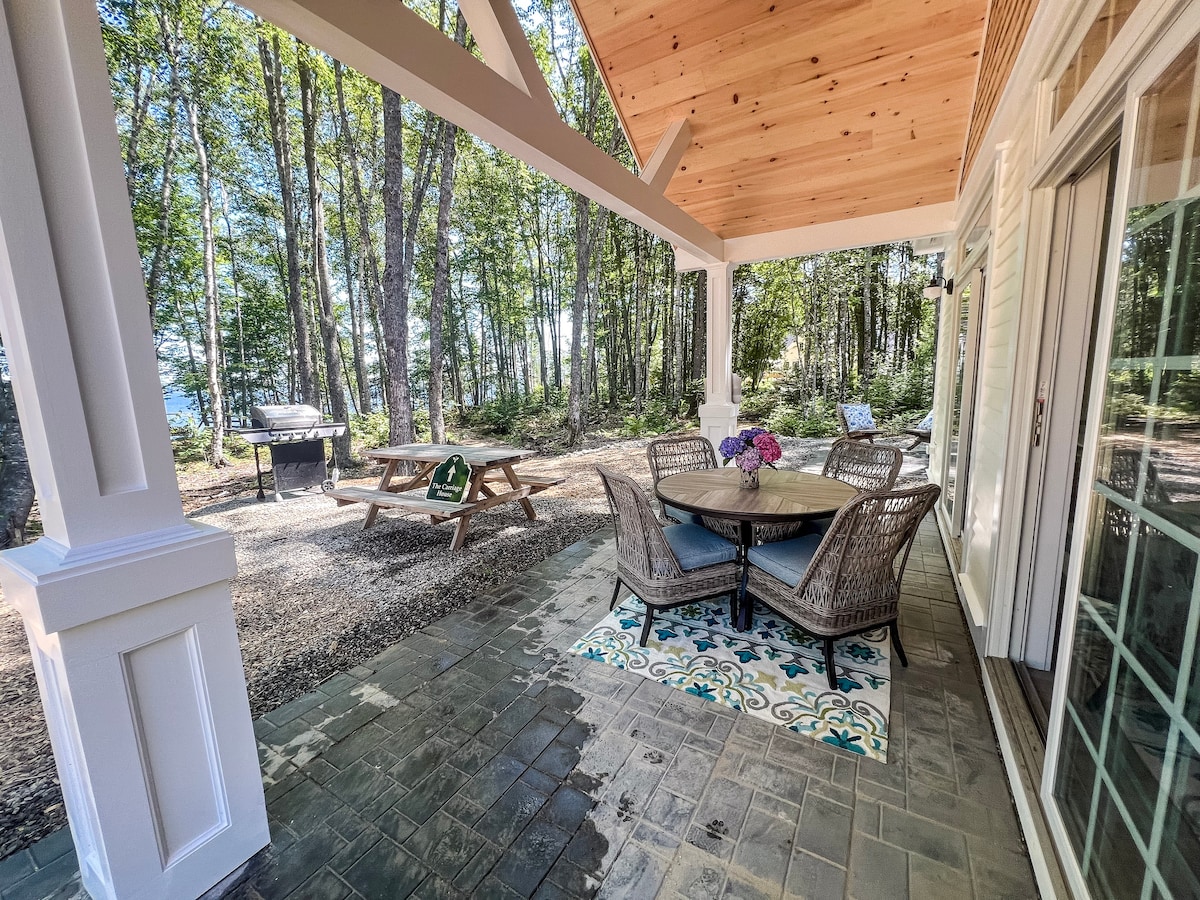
801 111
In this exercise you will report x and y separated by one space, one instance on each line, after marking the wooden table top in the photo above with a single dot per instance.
474 456
782 496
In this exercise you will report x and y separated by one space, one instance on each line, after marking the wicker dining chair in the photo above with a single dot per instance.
846 582
668 566
868 467
673 455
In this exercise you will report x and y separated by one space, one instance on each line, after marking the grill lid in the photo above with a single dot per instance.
295 415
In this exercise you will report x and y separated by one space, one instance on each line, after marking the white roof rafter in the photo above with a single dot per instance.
505 47
666 156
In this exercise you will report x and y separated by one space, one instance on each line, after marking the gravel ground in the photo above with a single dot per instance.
315 594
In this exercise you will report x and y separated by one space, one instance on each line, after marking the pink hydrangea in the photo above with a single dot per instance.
768 448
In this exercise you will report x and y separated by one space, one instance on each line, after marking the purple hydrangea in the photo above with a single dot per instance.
732 446
749 459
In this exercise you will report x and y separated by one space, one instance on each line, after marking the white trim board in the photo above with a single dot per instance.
884 228
1023 785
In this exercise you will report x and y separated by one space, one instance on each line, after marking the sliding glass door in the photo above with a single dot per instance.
1127 777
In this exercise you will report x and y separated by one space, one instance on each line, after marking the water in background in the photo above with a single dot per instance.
181 407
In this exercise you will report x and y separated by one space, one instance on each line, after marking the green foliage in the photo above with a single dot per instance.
190 444
1183 396
759 404
764 311
369 431
656 418
813 420
851 323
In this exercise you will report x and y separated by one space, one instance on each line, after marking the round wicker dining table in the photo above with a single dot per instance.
782 496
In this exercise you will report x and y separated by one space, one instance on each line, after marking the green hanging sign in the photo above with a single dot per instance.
449 480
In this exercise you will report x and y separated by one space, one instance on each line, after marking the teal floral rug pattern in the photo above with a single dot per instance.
775 672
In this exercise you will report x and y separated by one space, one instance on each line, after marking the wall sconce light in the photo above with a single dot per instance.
933 290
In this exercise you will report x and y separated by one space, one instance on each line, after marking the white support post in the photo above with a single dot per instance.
126 603
718 414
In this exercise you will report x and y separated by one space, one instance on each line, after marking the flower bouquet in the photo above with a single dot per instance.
751 449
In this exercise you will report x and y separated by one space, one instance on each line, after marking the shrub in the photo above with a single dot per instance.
760 404
369 431
813 418
786 422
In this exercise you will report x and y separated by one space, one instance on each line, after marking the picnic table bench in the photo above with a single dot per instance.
489 466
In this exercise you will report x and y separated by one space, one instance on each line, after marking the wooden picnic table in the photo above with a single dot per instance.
489 466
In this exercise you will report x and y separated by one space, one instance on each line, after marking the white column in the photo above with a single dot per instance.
718 414
126 603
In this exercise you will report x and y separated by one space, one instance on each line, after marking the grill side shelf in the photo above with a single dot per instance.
290 435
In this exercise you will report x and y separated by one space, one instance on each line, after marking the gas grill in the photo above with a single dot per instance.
296 436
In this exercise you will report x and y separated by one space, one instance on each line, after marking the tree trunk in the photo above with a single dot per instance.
216 444
575 423
353 300
170 37
328 321
699 339
393 313
441 268
272 66
237 305
373 281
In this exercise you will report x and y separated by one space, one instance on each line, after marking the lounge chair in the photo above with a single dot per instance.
857 421
921 431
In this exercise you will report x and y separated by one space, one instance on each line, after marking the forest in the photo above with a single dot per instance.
308 236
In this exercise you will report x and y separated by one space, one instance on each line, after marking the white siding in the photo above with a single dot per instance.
1002 299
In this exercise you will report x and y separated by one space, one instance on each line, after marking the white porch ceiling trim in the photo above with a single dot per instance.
884 228
389 43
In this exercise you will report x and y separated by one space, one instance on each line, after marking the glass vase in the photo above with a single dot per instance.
750 479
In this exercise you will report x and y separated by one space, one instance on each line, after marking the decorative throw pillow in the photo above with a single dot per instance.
858 416
926 424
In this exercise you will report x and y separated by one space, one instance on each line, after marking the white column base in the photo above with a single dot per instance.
140 674
718 421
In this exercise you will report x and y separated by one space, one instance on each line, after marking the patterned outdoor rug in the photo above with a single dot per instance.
774 672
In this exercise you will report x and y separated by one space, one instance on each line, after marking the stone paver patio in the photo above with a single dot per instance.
478 757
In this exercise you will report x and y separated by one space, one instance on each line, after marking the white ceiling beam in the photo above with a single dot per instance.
387 42
505 47
884 228
928 246
665 159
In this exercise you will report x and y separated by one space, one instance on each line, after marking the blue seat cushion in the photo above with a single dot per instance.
817 526
786 560
696 547
685 518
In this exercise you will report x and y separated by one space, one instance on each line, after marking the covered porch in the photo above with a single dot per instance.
479 757
127 603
